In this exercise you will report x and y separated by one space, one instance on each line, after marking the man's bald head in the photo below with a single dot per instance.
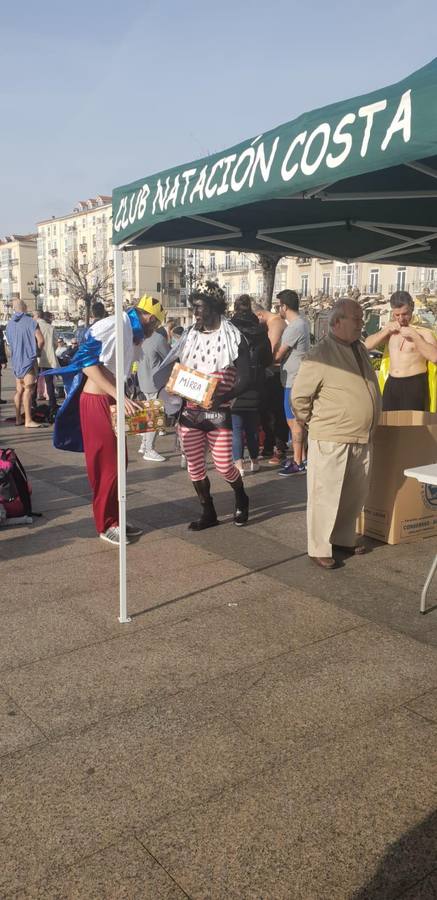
346 320
20 306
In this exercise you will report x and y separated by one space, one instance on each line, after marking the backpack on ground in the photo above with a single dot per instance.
15 487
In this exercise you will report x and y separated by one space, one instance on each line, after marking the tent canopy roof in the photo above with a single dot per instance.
356 180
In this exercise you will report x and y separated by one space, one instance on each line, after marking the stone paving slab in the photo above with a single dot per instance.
318 827
124 871
17 731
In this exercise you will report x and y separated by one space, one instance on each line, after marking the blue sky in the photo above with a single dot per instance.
101 93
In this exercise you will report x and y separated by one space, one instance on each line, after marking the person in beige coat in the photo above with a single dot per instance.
336 395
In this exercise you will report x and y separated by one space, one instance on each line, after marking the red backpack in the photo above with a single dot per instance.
15 487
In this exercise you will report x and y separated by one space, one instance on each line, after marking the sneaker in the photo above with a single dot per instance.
112 536
153 456
292 468
254 465
133 530
141 448
278 459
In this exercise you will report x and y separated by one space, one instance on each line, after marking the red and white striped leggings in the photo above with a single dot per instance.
195 443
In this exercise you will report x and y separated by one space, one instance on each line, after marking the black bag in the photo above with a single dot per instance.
206 419
15 493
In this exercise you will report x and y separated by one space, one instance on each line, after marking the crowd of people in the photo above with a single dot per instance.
275 393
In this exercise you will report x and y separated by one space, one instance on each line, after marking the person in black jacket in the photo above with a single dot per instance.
245 409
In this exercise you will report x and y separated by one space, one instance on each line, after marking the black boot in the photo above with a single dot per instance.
241 513
208 517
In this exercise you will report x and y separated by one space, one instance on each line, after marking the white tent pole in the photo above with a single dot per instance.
121 439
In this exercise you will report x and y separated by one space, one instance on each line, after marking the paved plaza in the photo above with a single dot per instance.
262 730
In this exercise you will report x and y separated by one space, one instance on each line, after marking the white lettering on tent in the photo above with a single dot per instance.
248 156
187 176
119 216
133 215
401 121
125 219
287 174
339 137
145 191
210 191
173 195
368 112
309 168
260 162
161 194
200 185
227 161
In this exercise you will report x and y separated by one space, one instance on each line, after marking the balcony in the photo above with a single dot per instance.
395 287
54 272
53 251
371 289
54 292
83 248
420 287
303 260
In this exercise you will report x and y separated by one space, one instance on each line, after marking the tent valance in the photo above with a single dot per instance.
356 180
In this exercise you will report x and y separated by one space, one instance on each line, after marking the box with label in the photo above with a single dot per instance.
151 417
192 385
400 509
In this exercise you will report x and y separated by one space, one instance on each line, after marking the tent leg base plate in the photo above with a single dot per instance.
124 621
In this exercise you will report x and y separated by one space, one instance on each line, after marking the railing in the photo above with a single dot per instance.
303 260
395 287
53 251
371 289
419 287
83 248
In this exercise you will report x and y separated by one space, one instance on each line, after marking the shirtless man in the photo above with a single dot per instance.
272 413
410 349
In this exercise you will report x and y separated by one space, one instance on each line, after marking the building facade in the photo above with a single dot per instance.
85 237
18 272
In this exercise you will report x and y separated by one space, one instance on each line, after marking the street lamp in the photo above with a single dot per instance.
35 288
189 276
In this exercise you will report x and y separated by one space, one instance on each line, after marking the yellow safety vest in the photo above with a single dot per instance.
432 378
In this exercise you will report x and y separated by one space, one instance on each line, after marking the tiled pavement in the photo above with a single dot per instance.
262 730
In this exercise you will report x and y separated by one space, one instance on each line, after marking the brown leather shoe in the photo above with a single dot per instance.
358 550
325 562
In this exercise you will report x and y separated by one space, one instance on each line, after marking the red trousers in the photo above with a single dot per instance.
100 445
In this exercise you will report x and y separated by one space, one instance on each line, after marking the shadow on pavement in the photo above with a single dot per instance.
414 852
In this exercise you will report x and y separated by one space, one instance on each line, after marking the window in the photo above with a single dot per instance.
244 285
304 286
374 281
212 262
326 284
346 276
227 288
259 286
401 276
227 260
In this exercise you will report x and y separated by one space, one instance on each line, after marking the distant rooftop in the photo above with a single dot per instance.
83 206
30 238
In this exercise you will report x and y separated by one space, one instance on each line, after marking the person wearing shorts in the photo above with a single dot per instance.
295 343
24 336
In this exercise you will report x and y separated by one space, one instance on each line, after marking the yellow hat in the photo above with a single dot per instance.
151 306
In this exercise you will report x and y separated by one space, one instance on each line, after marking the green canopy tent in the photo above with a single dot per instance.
354 181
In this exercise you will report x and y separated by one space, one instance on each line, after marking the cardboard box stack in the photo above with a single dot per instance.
401 509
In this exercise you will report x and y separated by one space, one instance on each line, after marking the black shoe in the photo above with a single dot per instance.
3 402
241 514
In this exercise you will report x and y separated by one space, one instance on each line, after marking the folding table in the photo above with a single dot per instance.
426 475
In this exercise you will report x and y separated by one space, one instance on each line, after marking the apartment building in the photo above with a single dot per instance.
85 235
241 273
18 271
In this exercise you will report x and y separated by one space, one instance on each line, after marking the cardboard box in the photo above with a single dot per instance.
400 509
192 385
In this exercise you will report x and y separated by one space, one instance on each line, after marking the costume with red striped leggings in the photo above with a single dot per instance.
100 446
195 443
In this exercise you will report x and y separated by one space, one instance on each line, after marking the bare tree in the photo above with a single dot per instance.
268 262
86 284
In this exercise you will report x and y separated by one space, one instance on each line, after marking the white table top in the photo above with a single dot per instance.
425 474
